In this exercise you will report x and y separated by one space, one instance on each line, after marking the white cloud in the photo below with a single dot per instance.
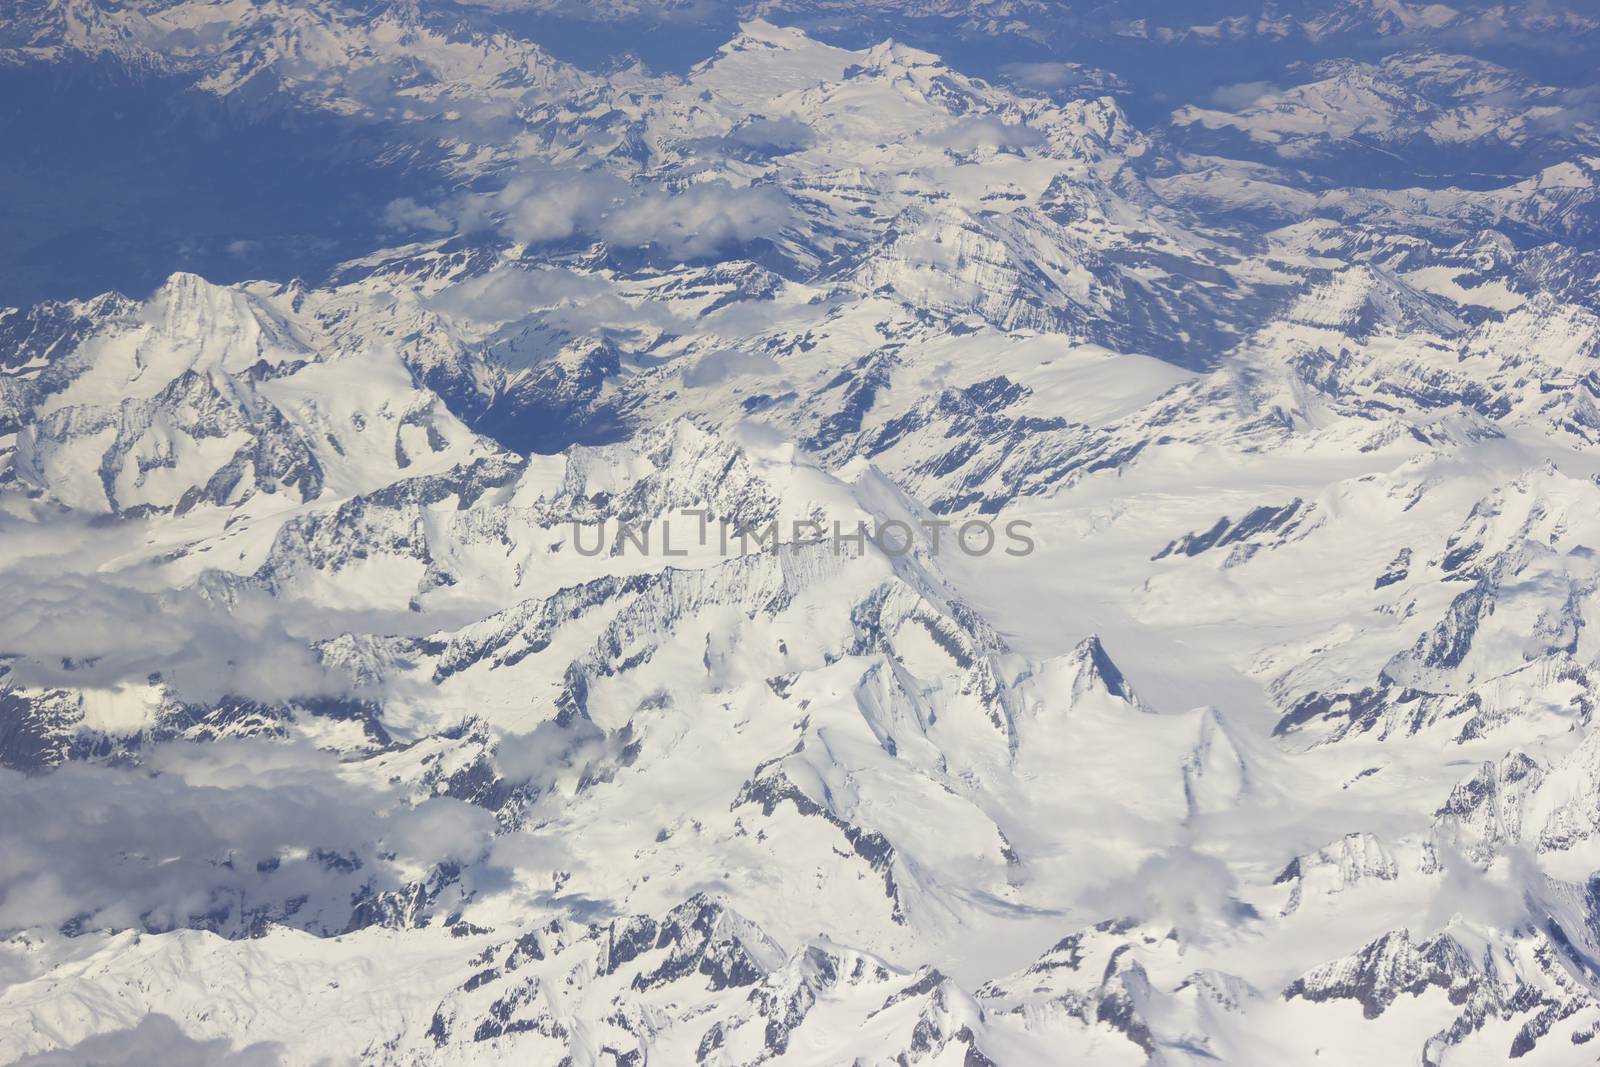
407 214
215 830
714 368
157 1039
562 300
1240 95
699 220
1043 75
1188 890
95 631
984 131
73 619
535 210
1496 898
1060 76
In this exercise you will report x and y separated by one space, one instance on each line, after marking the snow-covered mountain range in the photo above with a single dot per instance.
448 460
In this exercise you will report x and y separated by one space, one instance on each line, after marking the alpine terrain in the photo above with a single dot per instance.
794 532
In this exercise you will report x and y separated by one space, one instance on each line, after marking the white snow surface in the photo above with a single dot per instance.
328 739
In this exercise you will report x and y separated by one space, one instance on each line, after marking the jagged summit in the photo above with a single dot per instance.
1094 672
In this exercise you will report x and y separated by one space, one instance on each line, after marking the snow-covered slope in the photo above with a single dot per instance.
818 557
